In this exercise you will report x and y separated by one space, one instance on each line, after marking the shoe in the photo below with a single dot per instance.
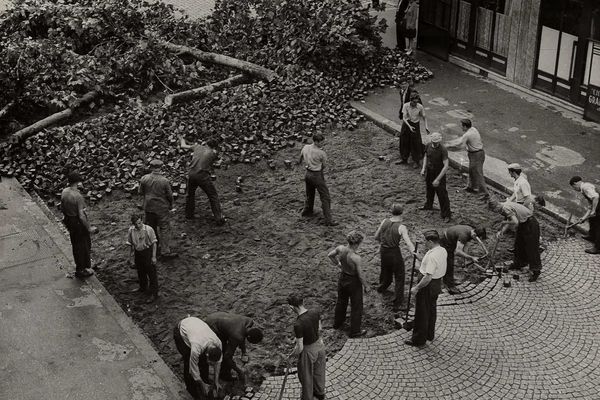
415 166
401 162
411 343
189 217
359 334
534 277
409 52
227 377
138 290
86 273
169 255
152 299
306 213
425 208
588 238
453 291
514 267
484 197
593 250
331 223
221 222
447 219
471 190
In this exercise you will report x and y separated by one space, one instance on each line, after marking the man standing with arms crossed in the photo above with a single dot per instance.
588 191
388 235
315 159
73 207
309 349
202 161
434 169
158 204
472 140
433 269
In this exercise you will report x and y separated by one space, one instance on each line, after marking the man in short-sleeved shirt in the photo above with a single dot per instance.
200 347
592 215
527 237
233 330
310 350
315 158
521 188
142 241
454 239
410 142
433 269
434 169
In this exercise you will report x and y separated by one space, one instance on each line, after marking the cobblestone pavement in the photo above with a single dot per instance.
529 341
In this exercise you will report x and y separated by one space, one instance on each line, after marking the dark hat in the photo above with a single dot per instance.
74 177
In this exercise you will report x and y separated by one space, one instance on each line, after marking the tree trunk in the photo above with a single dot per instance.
204 90
52 119
250 68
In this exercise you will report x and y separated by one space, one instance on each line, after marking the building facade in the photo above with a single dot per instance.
549 45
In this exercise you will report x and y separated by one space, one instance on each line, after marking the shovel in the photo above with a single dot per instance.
408 325
285 377
567 226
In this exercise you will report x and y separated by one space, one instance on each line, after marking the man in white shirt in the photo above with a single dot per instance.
588 190
471 139
142 241
200 348
521 189
433 269
315 158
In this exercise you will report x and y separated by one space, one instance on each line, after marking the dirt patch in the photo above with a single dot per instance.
267 251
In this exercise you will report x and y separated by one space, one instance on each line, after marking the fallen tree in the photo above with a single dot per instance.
204 90
52 119
213 58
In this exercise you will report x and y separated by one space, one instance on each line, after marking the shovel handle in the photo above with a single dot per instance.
412 277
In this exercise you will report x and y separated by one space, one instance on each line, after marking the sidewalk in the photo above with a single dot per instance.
62 338
552 146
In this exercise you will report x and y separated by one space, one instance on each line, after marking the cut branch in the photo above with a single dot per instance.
204 90
6 109
213 58
52 119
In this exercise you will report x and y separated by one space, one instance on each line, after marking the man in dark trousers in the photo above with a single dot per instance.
434 169
158 203
389 233
454 239
233 330
309 349
471 139
527 238
142 241
410 142
350 285
433 269
315 159
200 348
75 218
202 161
588 190
400 29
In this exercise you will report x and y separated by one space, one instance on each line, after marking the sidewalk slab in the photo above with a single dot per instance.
550 147
64 338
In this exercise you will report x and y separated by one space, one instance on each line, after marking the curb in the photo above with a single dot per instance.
394 128
58 234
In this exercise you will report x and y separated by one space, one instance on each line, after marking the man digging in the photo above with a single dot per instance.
588 191
389 234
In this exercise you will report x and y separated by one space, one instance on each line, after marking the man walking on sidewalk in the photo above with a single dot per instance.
521 190
309 349
410 142
388 235
454 239
142 241
588 191
75 219
199 177
527 238
400 26
472 140
433 269
434 169
350 285
315 159
158 203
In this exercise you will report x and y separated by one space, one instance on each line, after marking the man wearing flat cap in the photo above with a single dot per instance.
433 269
73 207
158 203
435 165
521 189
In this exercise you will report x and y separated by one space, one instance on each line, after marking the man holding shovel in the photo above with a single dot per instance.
454 239
309 349
588 191
433 269
388 235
